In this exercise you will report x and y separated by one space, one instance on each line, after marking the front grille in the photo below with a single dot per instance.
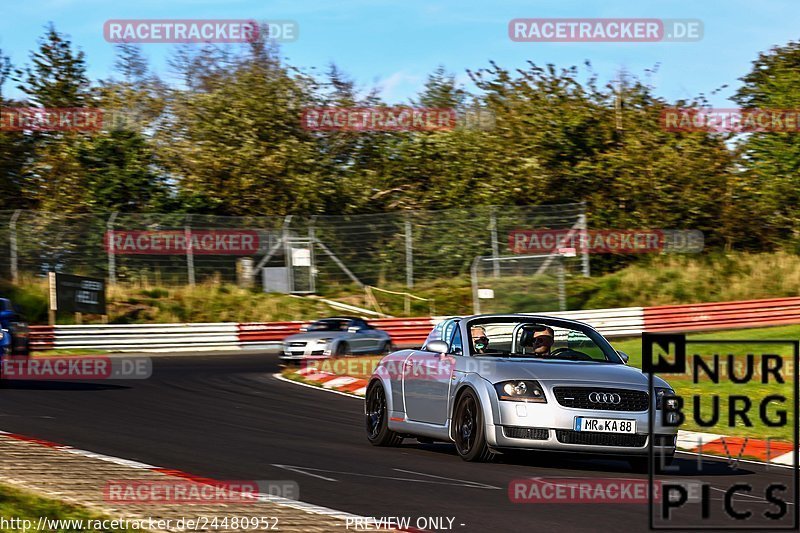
565 436
578 397
526 433
297 344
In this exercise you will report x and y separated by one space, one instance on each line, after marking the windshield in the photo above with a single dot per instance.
539 340
331 324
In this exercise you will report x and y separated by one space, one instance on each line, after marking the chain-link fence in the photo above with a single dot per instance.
318 252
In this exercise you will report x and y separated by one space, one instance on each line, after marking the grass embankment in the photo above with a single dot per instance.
657 280
23 505
755 390
362 367
205 302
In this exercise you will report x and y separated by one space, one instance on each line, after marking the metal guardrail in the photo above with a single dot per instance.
723 315
410 332
135 336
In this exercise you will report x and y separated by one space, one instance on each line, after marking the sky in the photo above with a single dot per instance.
395 44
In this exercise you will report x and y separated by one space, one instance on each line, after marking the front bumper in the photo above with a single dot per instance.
552 427
301 351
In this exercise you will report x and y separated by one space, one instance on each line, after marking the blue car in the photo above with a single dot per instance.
5 343
15 339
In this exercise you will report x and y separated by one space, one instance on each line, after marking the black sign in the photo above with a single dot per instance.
77 294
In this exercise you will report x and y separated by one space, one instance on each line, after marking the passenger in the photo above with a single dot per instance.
479 339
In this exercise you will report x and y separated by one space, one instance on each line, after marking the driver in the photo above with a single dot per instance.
479 339
541 342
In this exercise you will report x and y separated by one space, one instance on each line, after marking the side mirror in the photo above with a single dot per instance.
353 329
437 347
624 356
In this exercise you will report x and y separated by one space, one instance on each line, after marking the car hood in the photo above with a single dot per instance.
495 370
314 335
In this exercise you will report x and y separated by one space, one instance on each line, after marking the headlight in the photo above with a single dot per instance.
520 391
661 393
323 341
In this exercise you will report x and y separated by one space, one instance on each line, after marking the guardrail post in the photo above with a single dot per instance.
12 227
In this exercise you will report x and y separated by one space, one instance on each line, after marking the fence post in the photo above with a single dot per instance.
562 290
112 258
12 226
495 250
312 238
409 257
473 271
189 250
584 238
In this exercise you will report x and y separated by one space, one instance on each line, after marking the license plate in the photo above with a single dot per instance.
604 425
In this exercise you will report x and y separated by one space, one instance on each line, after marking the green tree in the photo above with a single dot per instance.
56 79
766 190
233 142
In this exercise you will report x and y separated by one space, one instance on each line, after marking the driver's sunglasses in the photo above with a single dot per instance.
542 338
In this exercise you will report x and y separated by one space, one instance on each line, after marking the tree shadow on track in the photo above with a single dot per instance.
13 384
555 461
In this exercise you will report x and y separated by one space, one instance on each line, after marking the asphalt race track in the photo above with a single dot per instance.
228 418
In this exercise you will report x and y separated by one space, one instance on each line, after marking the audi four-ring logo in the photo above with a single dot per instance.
605 397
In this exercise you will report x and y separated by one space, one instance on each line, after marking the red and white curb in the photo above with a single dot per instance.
278 500
769 451
347 384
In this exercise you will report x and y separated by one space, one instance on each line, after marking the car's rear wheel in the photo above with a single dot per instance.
386 348
377 418
469 430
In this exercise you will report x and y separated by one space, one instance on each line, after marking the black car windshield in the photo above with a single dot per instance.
539 340
329 324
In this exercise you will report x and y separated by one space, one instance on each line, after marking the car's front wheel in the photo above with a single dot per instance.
468 427
342 350
377 418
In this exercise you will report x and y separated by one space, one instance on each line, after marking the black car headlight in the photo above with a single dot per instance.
520 391
665 394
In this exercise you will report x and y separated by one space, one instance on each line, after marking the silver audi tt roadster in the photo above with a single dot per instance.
490 383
